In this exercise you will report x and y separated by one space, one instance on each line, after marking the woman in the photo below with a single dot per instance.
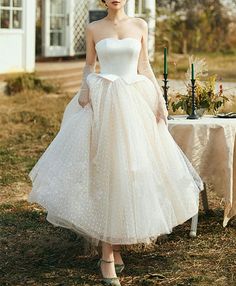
113 173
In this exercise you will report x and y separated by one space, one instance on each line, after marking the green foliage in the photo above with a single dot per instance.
193 25
29 81
205 97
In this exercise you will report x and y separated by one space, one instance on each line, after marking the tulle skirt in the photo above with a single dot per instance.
113 172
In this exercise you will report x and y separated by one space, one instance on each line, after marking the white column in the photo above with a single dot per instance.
29 35
45 23
151 5
70 29
130 8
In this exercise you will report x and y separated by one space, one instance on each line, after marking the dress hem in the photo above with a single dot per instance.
95 238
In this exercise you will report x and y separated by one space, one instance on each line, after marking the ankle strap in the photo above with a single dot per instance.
108 261
116 249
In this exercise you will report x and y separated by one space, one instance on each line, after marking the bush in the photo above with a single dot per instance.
29 82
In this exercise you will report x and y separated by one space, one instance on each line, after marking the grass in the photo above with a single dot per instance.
34 252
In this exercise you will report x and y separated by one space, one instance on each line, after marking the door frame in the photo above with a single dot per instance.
56 51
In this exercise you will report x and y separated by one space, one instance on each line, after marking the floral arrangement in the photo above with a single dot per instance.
206 98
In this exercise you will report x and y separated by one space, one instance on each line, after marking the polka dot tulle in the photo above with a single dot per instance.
113 173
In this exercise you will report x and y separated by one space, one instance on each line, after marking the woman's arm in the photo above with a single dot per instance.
145 68
89 66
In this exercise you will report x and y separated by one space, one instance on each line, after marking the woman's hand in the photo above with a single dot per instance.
84 104
162 116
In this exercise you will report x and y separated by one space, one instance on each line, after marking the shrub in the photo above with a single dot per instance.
29 81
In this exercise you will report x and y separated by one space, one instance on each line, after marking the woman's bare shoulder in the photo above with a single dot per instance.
95 24
140 22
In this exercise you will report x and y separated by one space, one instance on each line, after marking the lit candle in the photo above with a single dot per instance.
165 60
192 71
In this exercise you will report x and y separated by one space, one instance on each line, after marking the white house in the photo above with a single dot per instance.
17 35
62 28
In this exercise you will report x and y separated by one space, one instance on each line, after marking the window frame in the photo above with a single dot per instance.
61 31
140 8
11 8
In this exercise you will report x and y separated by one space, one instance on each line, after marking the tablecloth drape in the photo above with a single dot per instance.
209 143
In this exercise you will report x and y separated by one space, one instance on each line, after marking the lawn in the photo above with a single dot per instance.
34 252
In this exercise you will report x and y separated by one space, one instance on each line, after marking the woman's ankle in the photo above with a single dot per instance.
108 257
107 252
116 247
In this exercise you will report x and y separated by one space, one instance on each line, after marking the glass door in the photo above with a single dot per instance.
56 28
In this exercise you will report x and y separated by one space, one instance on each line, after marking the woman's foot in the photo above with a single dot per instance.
107 268
110 278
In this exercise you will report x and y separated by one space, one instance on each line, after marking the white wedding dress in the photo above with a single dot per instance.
113 172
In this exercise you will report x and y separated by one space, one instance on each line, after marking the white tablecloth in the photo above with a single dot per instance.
209 143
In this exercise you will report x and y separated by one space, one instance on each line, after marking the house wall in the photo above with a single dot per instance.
17 46
11 51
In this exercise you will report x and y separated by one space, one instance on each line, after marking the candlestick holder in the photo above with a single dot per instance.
193 114
165 89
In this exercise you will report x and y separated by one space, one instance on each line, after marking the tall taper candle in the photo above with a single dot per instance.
165 60
192 71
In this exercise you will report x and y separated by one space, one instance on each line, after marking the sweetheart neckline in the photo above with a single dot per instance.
131 38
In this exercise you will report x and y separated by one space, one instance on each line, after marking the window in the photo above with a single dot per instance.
139 7
57 22
10 14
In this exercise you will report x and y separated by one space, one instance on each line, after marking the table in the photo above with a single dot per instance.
210 145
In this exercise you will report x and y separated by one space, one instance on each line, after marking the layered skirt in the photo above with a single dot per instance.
113 172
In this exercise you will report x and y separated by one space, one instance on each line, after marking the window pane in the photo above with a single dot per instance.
57 7
5 18
136 7
143 6
17 3
17 22
56 39
56 23
5 3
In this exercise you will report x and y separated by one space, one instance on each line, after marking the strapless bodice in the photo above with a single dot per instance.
119 58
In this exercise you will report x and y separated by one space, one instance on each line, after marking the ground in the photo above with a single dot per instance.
34 252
